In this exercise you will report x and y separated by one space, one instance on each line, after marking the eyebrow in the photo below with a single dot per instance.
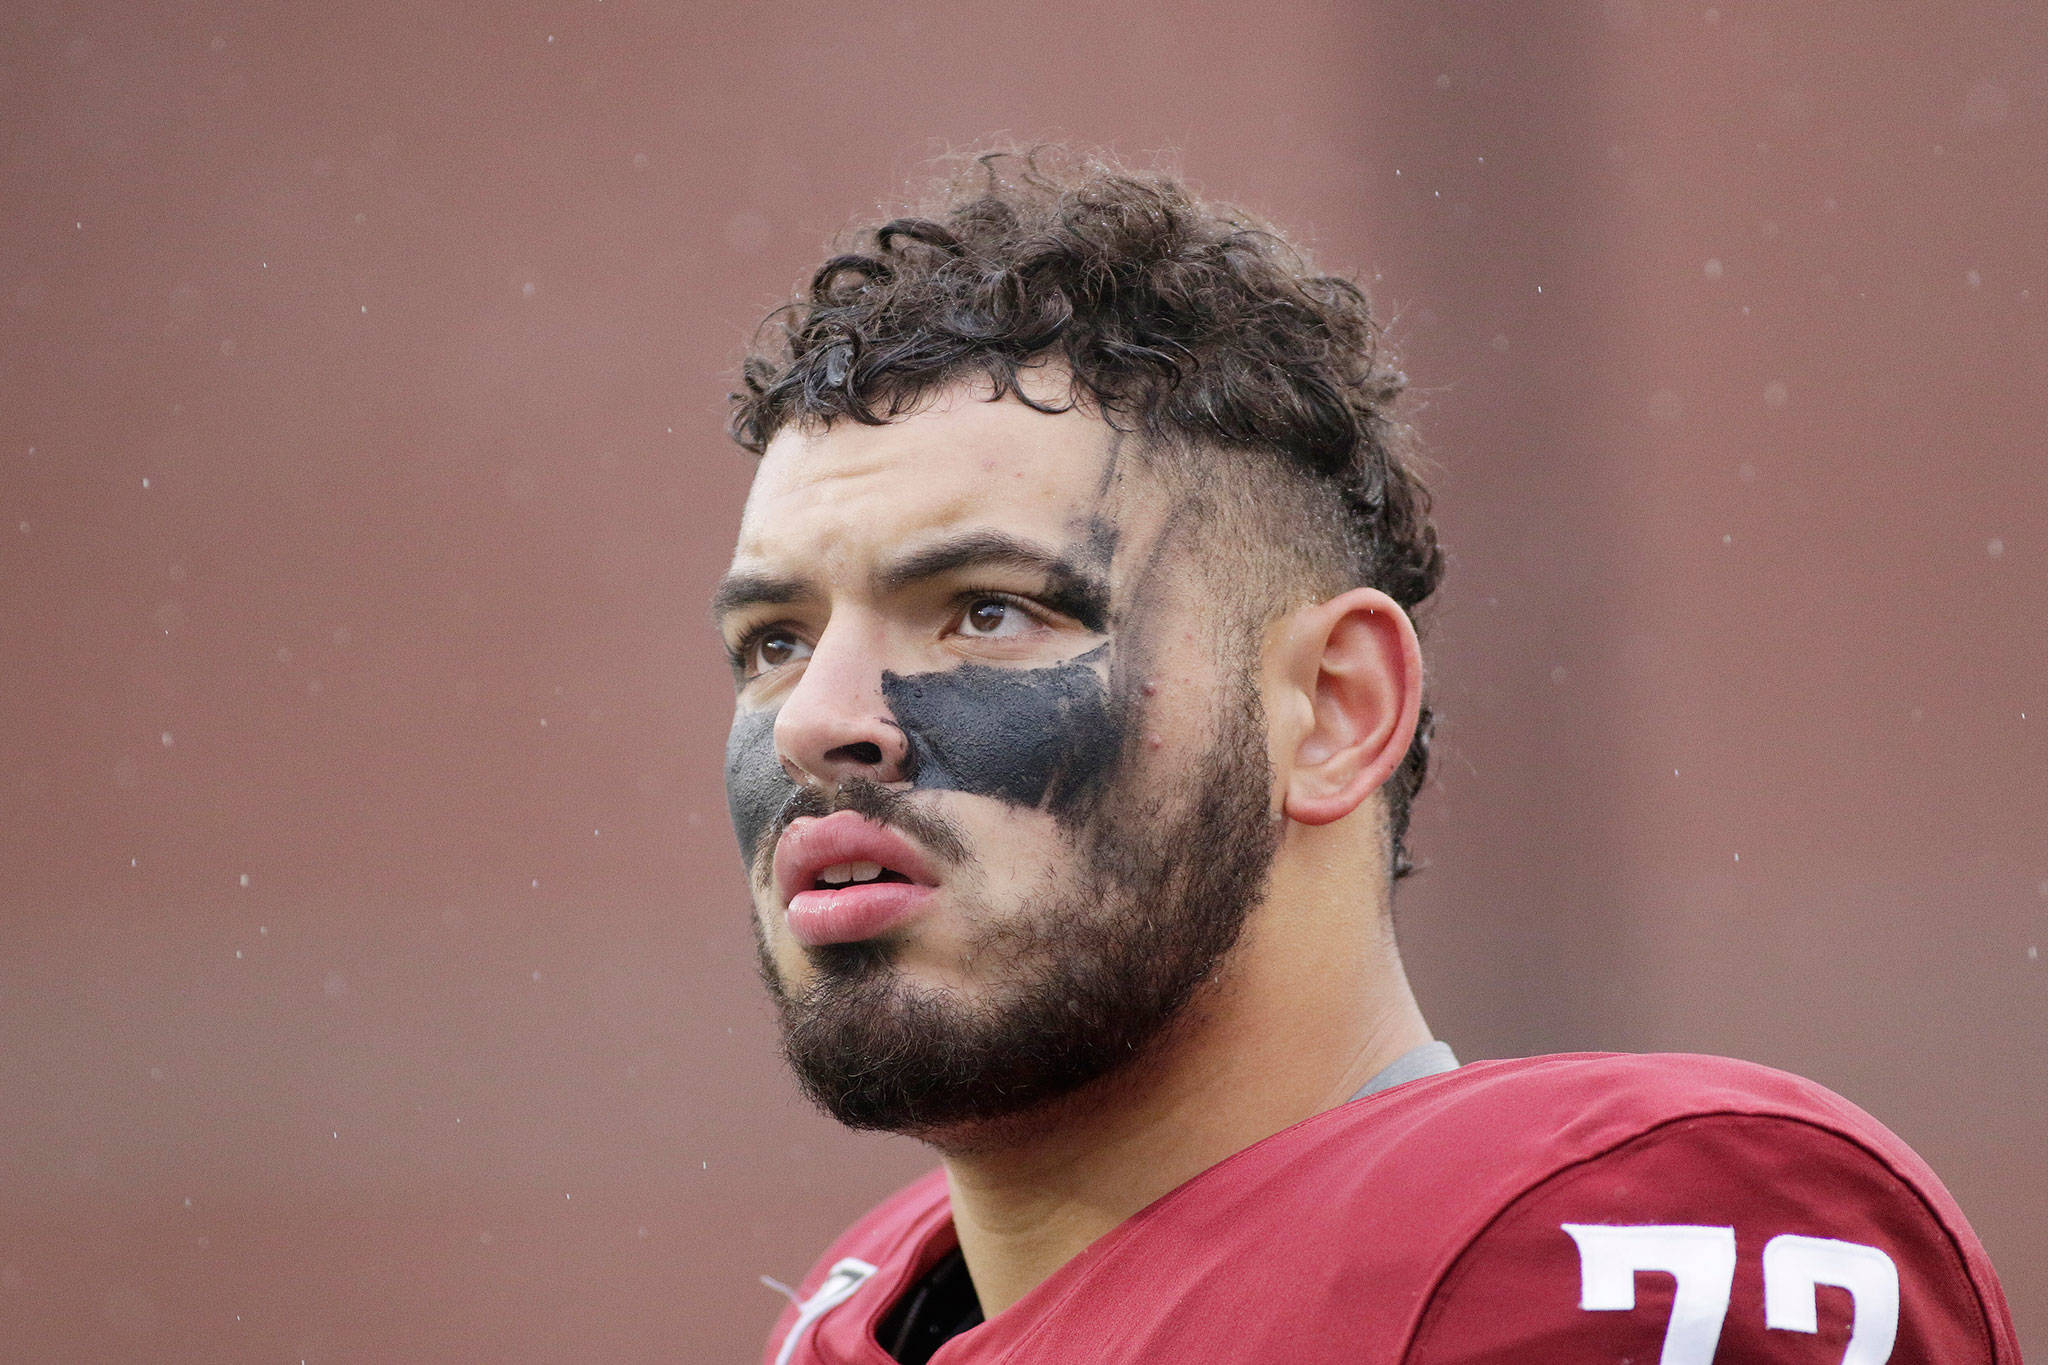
737 590
1070 589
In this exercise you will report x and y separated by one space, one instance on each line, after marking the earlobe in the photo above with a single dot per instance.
1357 664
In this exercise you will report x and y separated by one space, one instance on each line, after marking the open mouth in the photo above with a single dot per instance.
854 874
844 878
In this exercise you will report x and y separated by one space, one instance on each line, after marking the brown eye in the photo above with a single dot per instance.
986 617
994 618
775 648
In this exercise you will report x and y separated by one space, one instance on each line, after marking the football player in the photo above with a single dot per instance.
1080 709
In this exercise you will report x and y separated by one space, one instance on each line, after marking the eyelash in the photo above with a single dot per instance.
743 649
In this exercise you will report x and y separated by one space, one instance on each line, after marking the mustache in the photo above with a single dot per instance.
886 806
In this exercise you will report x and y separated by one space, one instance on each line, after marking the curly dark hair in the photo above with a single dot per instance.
1193 324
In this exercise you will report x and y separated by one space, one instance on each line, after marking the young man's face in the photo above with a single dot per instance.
998 772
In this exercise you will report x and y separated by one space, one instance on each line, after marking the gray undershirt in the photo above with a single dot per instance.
1430 1059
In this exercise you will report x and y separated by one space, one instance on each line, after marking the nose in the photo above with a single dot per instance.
835 724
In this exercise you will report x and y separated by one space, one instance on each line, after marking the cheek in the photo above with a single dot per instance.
791 966
756 788
1020 856
1024 866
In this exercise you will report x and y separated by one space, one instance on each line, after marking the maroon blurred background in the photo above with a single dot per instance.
374 973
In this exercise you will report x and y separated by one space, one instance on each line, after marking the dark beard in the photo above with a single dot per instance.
1094 976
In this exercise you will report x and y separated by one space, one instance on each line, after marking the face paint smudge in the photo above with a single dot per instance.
1036 737
1078 586
1073 592
1097 544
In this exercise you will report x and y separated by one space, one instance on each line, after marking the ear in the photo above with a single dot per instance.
1354 669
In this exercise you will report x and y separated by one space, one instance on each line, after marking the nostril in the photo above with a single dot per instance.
865 753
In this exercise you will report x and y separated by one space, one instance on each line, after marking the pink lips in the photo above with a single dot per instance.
847 914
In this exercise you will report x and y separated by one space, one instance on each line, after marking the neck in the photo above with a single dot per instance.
1284 1032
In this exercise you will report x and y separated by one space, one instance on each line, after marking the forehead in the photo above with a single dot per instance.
835 500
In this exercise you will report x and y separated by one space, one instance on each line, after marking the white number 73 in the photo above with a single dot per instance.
1702 1262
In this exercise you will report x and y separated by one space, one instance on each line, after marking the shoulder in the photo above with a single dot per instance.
879 1248
1498 1128
1458 1146
1664 1206
1594 1096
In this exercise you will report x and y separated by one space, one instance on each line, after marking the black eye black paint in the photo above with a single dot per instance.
1032 737
1029 736
756 788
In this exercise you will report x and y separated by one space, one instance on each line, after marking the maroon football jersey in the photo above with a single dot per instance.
1578 1208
